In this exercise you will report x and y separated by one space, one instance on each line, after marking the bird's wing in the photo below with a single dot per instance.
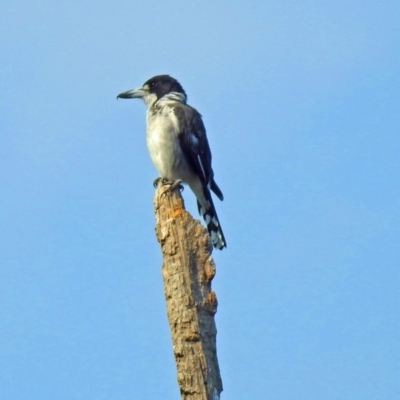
194 143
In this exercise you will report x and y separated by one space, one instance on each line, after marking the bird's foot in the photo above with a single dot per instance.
157 181
171 186
161 181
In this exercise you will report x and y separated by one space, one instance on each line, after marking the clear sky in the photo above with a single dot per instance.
301 101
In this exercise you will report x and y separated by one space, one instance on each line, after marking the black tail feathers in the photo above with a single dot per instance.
213 225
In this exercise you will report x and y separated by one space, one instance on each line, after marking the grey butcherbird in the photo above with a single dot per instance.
178 145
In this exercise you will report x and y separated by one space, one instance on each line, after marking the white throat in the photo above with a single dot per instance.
172 97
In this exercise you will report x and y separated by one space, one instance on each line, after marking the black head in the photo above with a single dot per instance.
161 85
155 88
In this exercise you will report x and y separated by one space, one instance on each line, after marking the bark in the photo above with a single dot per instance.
188 270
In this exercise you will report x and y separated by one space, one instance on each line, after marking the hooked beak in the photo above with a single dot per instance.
133 94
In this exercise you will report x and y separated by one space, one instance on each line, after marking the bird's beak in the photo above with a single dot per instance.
133 94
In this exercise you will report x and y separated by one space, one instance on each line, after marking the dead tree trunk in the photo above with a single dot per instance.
188 270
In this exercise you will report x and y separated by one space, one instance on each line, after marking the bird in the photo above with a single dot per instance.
178 146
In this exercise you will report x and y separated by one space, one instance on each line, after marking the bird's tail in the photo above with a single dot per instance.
214 227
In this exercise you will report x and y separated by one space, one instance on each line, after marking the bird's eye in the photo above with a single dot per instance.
153 84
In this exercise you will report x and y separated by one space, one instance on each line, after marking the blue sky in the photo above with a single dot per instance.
301 103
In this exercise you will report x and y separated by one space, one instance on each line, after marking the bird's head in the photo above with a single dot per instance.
156 88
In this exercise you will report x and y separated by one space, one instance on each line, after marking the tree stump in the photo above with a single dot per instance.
188 270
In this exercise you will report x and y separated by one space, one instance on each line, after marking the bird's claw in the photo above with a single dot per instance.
157 181
161 181
171 186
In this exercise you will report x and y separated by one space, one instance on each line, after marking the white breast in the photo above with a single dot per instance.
163 143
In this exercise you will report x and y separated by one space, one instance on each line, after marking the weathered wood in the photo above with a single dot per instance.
188 270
